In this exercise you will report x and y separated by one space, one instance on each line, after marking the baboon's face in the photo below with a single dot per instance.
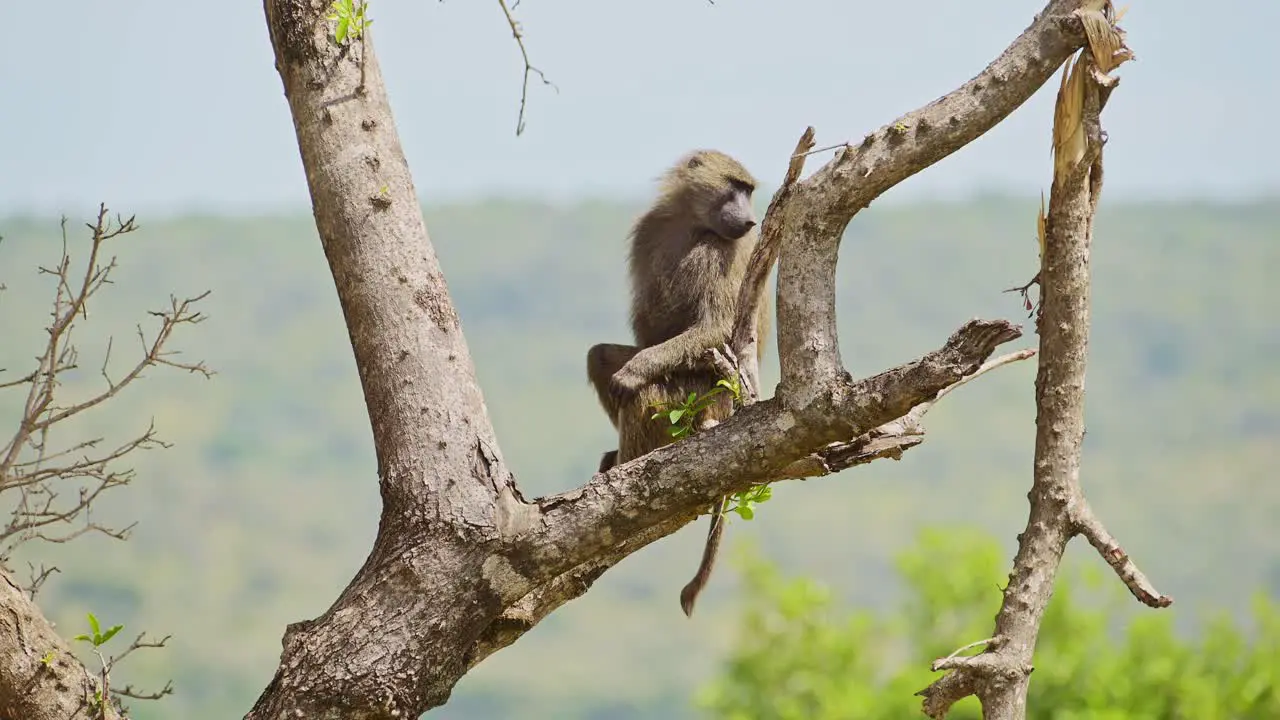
730 215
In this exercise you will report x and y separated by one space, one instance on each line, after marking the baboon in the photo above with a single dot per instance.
689 253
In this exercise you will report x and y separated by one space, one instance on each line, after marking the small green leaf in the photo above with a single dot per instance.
48 658
745 512
110 633
93 624
83 637
676 415
341 33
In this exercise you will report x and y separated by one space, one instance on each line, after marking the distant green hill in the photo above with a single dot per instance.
267 502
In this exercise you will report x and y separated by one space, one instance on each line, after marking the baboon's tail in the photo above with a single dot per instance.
689 595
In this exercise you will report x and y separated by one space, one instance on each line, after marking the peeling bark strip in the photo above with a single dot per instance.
462 565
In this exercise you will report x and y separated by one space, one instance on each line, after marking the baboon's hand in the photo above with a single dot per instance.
626 383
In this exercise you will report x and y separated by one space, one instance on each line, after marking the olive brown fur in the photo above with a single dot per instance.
689 253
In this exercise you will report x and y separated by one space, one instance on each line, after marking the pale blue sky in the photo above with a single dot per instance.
166 106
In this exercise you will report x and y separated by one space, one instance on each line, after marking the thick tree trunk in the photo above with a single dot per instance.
390 646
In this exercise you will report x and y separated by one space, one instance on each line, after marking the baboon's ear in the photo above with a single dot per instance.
695 161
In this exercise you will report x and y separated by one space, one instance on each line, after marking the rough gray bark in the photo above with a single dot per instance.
31 689
462 564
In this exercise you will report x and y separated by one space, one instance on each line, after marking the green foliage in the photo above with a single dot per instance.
96 637
744 502
682 416
350 20
798 659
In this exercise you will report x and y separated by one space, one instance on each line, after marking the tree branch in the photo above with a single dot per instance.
462 563
517 32
889 440
743 339
756 445
1087 524
816 212
1059 510
32 470
40 679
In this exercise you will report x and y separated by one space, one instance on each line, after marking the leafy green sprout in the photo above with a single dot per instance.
351 19
98 638
744 502
681 417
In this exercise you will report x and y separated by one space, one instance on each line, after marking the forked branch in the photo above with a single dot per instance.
1059 510
459 550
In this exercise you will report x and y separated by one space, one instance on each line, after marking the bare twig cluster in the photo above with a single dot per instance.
50 480
50 487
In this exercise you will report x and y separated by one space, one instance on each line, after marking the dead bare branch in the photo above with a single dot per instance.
35 475
1088 525
1059 509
